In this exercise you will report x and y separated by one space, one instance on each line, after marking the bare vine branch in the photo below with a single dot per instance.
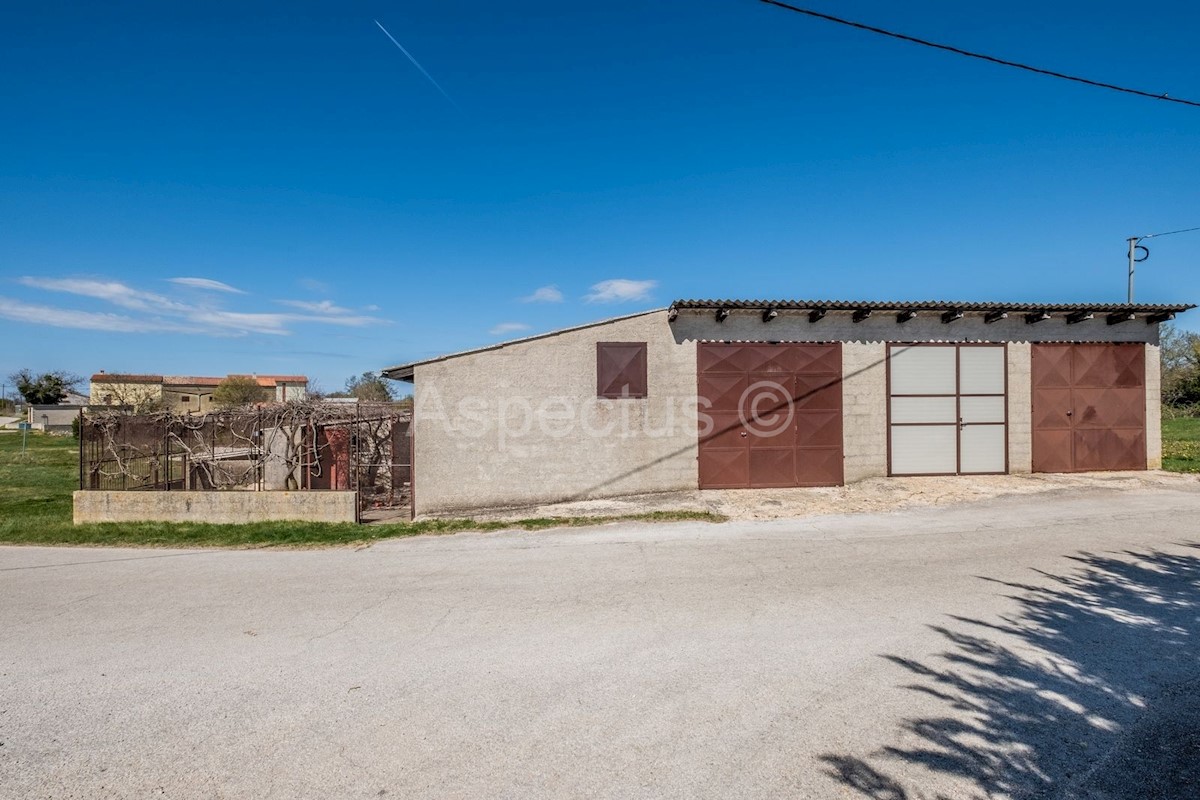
301 445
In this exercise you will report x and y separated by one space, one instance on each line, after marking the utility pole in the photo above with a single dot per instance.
1129 292
1134 246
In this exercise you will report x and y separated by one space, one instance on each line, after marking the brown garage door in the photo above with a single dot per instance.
770 415
1089 407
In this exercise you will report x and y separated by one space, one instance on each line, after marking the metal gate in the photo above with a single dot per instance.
770 415
947 409
1089 407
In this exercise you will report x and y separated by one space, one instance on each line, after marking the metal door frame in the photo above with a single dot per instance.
1145 460
841 411
958 395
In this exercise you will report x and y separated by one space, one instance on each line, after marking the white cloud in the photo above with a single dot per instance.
205 283
85 320
113 292
508 327
323 307
544 294
274 324
160 313
314 285
358 321
620 290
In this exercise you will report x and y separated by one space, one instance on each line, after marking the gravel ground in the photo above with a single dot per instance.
1022 646
869 496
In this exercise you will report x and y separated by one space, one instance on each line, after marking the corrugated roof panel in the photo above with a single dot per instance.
405 371
928 305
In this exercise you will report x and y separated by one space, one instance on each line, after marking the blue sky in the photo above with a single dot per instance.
333 212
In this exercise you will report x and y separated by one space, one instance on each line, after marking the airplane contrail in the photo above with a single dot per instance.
417 64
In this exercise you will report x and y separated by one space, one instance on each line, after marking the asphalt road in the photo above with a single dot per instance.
1020 647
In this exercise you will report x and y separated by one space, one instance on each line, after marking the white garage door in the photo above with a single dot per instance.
947 409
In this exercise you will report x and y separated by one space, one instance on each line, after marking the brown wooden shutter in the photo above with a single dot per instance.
620 369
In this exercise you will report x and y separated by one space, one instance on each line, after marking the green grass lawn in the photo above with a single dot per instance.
1181 444
35 508
35 505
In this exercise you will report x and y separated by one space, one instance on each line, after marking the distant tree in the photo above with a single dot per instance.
240 390
370 387
45 389
1180 351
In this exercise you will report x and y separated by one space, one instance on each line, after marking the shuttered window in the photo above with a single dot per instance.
620 369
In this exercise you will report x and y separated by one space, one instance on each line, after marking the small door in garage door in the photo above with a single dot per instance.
947 409
1089 407
770 415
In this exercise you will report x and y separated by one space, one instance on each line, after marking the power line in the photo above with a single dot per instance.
980 56
1168 233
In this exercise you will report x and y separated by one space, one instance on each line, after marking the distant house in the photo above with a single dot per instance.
56 417
183 394
117 389
192 394
53 418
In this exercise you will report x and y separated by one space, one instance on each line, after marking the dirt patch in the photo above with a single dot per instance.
872 495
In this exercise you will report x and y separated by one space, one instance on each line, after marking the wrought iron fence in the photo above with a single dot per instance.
305 446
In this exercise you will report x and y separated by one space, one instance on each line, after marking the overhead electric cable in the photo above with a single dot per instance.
1168 233
981 56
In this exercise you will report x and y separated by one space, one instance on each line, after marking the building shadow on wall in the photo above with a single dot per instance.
1090 690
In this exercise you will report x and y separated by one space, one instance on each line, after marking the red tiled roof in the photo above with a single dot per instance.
268 381
274 380
194 380
190 380
117 377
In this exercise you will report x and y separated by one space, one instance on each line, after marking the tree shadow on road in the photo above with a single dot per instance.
1091 689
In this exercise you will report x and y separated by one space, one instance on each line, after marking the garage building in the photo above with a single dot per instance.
747 394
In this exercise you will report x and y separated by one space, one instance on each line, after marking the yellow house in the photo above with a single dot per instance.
113 389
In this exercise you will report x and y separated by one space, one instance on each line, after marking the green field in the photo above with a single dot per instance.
35 508
1181 444
35 505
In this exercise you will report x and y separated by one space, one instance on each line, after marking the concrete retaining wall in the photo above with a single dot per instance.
215 507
